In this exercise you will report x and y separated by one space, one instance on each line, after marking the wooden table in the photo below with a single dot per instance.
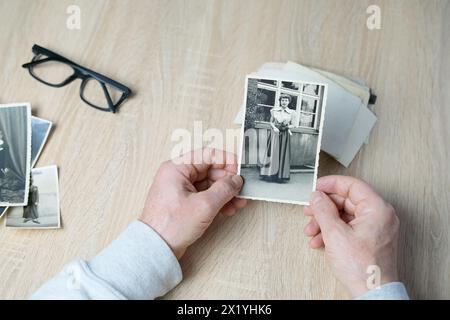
186 61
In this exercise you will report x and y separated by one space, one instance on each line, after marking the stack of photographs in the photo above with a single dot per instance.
349 118
31 194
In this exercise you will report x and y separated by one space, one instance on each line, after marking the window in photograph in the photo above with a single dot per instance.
311 89
307 113
266 97
295 86
269 82
306 119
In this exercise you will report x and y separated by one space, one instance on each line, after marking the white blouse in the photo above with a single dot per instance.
282 116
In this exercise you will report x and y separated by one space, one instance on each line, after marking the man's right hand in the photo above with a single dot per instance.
358 229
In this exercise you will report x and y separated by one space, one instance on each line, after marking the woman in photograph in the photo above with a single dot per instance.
30 212
276 165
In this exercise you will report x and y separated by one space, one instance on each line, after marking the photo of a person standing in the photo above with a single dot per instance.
30 212
276 162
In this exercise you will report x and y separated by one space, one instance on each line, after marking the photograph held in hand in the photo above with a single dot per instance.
280 139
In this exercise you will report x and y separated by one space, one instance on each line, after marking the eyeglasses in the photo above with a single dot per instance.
96 90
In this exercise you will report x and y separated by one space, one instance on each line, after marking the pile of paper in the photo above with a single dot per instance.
31 194
348 119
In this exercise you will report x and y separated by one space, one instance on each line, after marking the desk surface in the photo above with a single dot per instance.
187 61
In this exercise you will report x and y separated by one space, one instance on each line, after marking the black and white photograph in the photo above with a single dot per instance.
15 153
42 210
40 130
281 136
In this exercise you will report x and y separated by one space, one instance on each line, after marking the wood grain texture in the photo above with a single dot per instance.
187 61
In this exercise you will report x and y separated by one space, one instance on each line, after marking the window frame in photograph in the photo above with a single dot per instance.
299 94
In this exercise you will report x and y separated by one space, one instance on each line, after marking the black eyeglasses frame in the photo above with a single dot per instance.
82 73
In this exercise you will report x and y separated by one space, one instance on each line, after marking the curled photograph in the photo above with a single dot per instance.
15 153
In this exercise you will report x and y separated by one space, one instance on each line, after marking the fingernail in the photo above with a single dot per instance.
316 197
237 181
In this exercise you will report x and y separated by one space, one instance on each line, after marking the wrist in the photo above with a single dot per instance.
164 234
372 279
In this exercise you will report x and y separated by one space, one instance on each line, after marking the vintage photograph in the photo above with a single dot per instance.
15 153
281 136
3 211
40 129
42 210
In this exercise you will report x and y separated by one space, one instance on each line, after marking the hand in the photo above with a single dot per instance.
187 194
358 229
276 130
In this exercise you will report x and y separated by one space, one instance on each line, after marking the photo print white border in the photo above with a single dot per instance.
319 141
27 105
54 168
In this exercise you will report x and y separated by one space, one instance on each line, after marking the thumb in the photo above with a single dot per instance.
222 191
326 213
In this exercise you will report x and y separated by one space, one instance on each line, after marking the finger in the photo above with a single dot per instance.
307 211
338 200
207 182
239 203
343 203
221 192
228 210
195 164
346 187
347 218
326 213
312 228
202 185
215 173
236 204
316 242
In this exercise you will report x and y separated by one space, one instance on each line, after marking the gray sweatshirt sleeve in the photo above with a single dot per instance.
140 265
137 265
388 291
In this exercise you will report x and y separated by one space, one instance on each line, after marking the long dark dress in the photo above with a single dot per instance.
276 165
30 212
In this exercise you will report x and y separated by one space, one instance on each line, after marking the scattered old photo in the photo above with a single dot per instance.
42 210
281 137
15 153
40 129
3 211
